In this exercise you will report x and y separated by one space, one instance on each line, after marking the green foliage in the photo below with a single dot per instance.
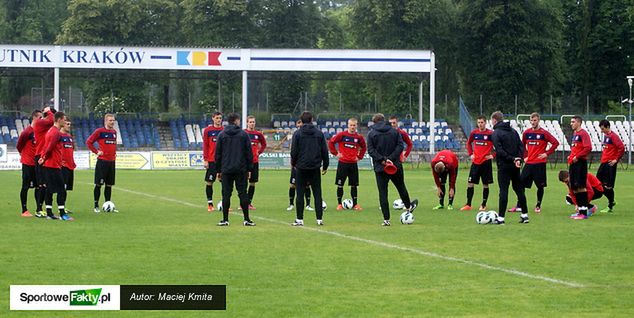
510 48
533 49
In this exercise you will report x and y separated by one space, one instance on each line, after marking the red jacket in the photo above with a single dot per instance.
258 144
351 146
26 146
107 140
451 164
42 126
210 136
581 146
68 148
535 141
53 153
613 148
408 143
482 145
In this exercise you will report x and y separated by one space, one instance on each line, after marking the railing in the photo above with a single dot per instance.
466 122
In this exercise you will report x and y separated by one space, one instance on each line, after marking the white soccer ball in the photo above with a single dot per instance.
347 204
324 206
398 204
219 206
483 217
493 215
108 206
407 217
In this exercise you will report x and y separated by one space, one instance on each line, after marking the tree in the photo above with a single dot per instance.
601 45
510 48
120 22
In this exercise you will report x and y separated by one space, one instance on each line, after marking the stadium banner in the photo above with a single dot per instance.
117 57
118 297
12 162
172 160
82 159
3 153
129 160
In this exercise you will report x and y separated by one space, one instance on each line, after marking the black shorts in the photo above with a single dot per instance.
39 174
210 174
607 174
255 174
69 178
578 174
293 179
482 171
348 171
29 180
54 180
105 172
596 195
534 172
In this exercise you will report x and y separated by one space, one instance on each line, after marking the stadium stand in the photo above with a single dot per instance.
137 132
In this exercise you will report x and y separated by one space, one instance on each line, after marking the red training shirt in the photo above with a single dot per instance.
351 146
210 136
42 126
53 153
451 164
258 144
68 148
26 146
107 140
613 148
482 145
580 146
535 141
408 143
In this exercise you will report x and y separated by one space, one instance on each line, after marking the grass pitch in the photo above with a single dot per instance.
443 265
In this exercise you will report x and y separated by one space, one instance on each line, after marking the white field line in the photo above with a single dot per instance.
383 244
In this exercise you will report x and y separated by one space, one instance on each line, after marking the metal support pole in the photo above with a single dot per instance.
56 89
432 103
629 154
244 98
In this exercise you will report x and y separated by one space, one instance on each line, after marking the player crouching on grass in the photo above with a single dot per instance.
234 163
350 149
444 164
594 189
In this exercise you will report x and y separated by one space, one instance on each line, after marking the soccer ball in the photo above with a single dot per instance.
219 206
108 206
407 217
483 217
347 204
324 206
398 204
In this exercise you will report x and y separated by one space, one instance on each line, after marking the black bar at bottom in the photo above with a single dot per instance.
173 297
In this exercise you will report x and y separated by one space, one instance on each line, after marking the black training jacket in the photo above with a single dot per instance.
309 149
507 143
384 142
233 151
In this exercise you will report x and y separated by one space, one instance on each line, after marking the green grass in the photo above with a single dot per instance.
351 267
